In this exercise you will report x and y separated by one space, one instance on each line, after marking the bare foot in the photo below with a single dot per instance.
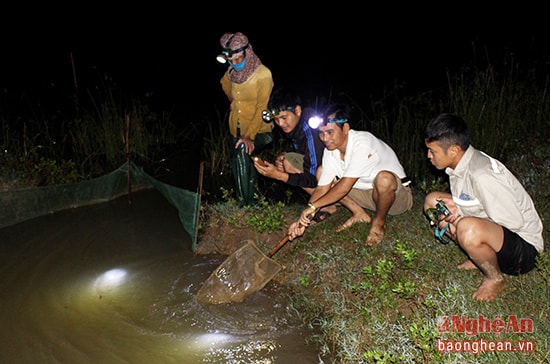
376 234
466 265
354 220
489 289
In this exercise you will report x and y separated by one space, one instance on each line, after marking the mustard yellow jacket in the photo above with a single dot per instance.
248 100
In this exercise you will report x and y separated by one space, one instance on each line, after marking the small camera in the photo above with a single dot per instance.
434 215
435 212
442 208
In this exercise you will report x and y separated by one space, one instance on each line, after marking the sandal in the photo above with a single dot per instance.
320 216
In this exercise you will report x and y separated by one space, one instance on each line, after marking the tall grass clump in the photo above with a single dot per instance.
216 157
110 121
508 114
82 137
504 110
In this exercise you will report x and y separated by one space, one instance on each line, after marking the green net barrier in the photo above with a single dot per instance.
24 204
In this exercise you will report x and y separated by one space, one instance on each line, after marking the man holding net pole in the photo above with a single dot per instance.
359 171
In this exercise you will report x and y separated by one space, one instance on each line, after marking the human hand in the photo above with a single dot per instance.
307 215
298 228
264 168
248 144
279 162
295 230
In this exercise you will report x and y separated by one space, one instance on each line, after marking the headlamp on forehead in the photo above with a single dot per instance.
227 53
316 121
269 115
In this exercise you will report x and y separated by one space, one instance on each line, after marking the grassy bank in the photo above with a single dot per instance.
82 135
382 304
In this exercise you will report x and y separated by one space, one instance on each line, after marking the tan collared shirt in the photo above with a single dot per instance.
483 187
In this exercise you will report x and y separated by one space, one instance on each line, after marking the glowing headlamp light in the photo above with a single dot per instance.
316 121
269 115
227 53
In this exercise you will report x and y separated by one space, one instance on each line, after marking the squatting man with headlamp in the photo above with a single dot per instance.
491 217
361 167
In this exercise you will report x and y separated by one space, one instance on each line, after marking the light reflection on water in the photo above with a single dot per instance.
116 283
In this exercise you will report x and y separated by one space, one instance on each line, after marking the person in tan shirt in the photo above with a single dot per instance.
490 215
247 83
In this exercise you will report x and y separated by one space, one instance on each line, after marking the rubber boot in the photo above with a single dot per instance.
245 177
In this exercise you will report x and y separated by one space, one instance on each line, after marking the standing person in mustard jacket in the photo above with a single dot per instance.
247 83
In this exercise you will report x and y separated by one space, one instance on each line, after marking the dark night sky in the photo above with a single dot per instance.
171 53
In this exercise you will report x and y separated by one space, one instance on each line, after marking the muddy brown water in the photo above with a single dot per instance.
116 283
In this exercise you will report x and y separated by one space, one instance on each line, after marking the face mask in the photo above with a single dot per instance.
239 66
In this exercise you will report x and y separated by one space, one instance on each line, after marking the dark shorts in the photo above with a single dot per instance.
516 255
